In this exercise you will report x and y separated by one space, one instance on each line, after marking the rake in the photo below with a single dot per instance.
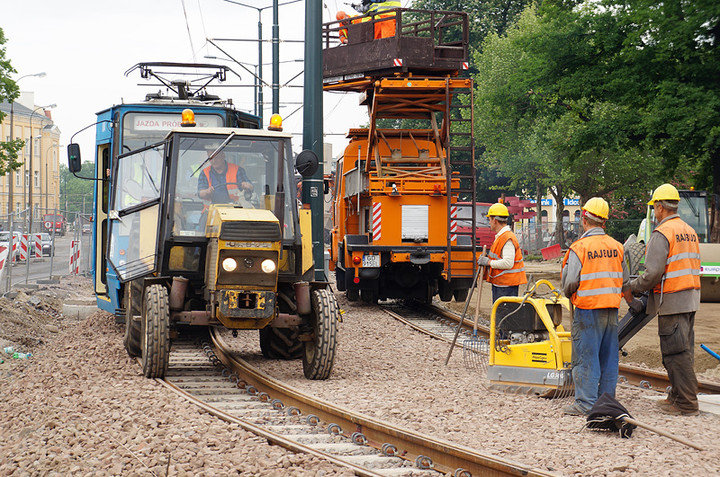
476 349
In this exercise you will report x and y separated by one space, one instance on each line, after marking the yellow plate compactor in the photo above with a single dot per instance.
530 351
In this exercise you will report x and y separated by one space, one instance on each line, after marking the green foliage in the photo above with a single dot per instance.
8 92
75 191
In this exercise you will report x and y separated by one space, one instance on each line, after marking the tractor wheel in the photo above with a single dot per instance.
133 315
353 294
319 353
280 343
635 252
155 331
369 296
460 294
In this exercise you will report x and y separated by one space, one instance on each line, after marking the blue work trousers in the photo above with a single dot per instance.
594 355
497 291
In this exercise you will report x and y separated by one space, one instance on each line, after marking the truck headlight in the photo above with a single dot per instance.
229 264
268 266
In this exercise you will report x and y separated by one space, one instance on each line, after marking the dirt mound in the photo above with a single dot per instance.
29 317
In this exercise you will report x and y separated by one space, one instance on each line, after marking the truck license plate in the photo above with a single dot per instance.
372 261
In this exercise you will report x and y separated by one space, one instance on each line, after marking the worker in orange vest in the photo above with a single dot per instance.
344 19
672 274
384 28
593 274
505 268
220 181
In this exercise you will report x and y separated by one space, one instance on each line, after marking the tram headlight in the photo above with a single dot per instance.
268 266
229 264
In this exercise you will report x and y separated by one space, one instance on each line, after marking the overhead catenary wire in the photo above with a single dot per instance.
187 24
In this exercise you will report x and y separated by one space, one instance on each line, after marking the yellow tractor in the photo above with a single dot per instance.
205 229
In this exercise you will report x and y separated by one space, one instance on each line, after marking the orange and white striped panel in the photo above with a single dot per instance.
453 223
377 221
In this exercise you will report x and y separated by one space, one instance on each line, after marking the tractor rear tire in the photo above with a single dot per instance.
133 316
155 331
319 355
460 294
635 252
281 343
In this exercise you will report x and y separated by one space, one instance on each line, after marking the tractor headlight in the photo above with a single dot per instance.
229 264
268 266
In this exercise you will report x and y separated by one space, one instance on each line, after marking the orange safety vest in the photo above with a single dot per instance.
230 179
682 269
601 275
512 276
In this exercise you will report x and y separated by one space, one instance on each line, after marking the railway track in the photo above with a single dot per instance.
441 324
212 378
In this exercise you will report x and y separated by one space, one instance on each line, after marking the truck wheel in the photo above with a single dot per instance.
319 353
280 343
155 331
460 294
635 252
340 279
353 294
369 296
133 315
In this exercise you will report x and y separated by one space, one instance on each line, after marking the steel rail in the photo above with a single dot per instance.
645 378
444 455
272 438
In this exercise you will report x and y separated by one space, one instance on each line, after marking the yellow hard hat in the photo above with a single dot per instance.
598 207
498 210
665 192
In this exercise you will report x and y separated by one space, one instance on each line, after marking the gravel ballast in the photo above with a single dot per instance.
385 370
80 406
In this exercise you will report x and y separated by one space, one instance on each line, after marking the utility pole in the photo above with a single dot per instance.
276 59
312 189
260 73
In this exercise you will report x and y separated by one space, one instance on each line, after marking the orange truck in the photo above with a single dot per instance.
399 191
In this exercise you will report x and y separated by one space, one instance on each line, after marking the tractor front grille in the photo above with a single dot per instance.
250 231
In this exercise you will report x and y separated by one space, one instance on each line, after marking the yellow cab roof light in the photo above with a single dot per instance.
275 123
188 118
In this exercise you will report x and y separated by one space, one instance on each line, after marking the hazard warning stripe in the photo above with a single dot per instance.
397 62
453 223
377 221
465 65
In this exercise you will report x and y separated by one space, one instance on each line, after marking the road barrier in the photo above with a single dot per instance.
30 242
75 257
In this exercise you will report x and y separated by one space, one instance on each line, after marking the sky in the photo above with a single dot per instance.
85 46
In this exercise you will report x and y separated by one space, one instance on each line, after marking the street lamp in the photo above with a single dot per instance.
47 183
30 172
12 137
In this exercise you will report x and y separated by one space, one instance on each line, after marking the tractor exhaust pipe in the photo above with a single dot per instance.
177 293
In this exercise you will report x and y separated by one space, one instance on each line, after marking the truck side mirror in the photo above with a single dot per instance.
74 162
306 163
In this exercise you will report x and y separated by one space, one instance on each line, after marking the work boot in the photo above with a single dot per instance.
573 410
668 408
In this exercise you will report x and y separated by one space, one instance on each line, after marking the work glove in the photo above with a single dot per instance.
483 261
637 305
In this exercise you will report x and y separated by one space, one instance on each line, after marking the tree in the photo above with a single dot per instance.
8 92
76 193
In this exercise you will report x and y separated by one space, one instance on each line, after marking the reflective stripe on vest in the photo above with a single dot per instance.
512 276
388 5
601 274
682 269
230 180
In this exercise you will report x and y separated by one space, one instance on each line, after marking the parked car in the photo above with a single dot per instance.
5 240
87 229
47 244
